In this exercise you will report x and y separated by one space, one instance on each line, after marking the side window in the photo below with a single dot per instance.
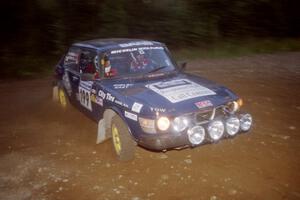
87 62
71 59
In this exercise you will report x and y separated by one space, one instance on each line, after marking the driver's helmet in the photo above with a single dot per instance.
106 64
108 71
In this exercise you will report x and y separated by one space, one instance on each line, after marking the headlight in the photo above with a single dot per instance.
180 123
240 102
196 134
234 106
147 125
215 130
232 125
163 123
246 122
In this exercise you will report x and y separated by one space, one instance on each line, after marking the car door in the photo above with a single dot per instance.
71 75
87 73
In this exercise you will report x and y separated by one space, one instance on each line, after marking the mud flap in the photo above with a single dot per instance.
101 131
104 125
55 93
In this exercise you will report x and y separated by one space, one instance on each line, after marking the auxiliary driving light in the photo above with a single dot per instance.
196 135
163 123
180 123
215 130
232 125
234 106
246 122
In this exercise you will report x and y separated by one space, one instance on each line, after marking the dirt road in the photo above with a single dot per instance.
48 154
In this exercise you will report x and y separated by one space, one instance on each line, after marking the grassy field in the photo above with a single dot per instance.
231 49
31 66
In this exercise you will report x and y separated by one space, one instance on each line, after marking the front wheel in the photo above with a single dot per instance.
123 143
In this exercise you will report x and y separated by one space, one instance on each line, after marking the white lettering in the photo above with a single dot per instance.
157 109
109 97
101 94
136 44
131 115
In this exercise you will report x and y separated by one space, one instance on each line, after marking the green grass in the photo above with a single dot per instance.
26 67
231 49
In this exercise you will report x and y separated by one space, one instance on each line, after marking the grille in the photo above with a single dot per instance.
220 112
207 115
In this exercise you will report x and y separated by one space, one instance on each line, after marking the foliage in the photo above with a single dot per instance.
43 29
239 48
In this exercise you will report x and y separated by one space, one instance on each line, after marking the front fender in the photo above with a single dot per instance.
104 124
121 113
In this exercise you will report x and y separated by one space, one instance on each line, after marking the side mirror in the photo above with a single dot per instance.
87 77
182 65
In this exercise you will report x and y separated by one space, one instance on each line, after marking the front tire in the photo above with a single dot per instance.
123 143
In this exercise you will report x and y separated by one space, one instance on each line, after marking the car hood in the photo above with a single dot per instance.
177 94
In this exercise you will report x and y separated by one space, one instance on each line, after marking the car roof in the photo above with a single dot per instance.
113 43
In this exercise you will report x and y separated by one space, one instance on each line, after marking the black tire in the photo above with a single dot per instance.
126 150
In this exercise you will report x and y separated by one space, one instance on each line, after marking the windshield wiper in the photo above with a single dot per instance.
157 69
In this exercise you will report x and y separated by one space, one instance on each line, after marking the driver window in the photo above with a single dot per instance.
87 63
71 59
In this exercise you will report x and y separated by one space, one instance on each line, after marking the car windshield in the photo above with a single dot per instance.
139 60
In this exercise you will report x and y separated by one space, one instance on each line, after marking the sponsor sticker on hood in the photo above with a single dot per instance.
179 90
203 104
136 107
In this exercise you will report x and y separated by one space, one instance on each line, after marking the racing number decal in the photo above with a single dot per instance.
85 98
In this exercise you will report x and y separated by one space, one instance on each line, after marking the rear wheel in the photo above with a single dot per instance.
123 143
62 98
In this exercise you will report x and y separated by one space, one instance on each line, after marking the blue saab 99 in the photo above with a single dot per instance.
140 96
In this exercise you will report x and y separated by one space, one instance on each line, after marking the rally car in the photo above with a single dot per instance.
139 95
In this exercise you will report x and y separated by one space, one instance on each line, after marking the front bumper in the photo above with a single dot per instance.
164 141
175 140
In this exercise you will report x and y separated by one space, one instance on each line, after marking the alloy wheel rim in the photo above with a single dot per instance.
116 139
62 98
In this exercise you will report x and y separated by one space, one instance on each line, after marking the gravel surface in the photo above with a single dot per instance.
46 153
